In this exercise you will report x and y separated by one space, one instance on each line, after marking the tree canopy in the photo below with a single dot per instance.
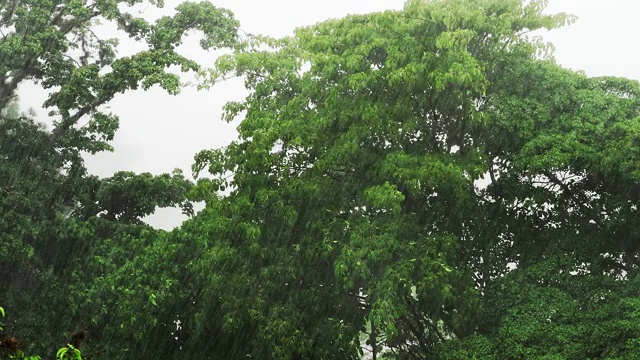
417 184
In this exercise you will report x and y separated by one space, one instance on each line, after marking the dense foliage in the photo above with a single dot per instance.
416 184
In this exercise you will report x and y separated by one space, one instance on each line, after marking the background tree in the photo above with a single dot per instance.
56 217
563 209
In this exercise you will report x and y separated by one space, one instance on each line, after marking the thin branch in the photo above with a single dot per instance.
92 32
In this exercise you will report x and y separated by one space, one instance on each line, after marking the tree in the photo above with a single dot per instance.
356 170
55 215
561 197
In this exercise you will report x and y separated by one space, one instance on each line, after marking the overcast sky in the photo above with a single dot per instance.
160 132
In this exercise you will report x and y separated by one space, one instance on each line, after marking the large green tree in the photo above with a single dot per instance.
56 218
358 171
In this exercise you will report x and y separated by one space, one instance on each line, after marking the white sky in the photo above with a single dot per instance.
160 132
